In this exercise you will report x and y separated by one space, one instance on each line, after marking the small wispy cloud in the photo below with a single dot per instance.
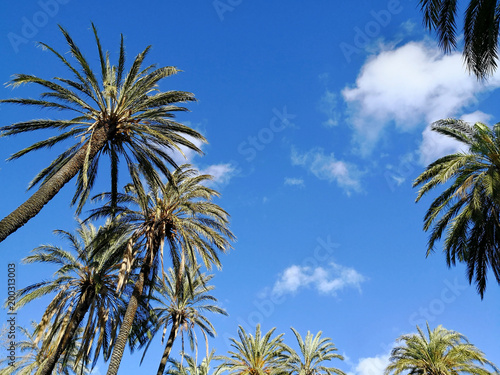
328 106
221 173
327 280
371 365
328 167
289 181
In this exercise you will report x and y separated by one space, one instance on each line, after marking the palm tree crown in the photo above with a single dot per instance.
314 352
35 353
84 286
192 368
468 211
180 213
480 31
182 307
122 115
443 352
255 355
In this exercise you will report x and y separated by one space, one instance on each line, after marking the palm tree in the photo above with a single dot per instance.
181 213
178 368
468 210
123 115
314 351
480 31
84 287
255 355
443 352
182 306
35 356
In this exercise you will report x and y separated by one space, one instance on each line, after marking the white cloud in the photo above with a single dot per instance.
222 173
409 86
328 280
294 182
408 27
327 167
476 116
372 365
435 145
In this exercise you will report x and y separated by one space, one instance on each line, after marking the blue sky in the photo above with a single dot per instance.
317 118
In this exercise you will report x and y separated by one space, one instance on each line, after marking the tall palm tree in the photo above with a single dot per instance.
35 355
122 114
480 30
85 295
443 352
180 213
314 352
192 368
468 211
255 355
182 306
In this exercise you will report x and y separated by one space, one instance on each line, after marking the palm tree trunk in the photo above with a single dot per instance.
21 215
170 343
70 331
128 319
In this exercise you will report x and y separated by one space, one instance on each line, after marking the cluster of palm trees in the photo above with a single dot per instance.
104 293
112 287
88 312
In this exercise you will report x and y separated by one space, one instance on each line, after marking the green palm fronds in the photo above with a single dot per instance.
179 214
255 355
183 307
192 368
467 213
83 290
122 114
33 352
314 352
441 352
480 30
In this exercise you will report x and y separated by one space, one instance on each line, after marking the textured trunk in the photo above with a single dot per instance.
168 347
128 319
70 332
21 215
